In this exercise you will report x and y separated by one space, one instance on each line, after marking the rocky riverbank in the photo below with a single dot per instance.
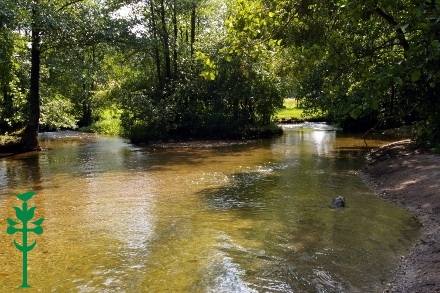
405 175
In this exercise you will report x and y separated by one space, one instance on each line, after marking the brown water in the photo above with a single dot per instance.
251 217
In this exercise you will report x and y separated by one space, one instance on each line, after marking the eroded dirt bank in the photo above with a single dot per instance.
406 176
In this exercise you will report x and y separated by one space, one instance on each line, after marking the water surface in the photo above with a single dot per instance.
248 217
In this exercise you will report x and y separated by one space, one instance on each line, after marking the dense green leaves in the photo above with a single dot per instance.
193 68
372 62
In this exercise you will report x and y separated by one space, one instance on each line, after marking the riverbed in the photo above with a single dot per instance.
227 216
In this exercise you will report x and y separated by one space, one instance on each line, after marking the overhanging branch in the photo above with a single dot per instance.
68 4
399 32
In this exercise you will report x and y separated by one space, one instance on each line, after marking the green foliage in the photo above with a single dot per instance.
424 134
143 119
57 113
250 29
218 93
108 122
238 103
12 80
190 69
372 63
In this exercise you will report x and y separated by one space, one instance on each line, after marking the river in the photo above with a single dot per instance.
252 216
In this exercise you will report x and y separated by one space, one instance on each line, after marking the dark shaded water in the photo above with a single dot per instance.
251 217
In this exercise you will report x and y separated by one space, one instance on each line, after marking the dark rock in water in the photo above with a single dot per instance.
338 202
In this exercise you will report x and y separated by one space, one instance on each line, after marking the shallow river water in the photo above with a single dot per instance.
210 217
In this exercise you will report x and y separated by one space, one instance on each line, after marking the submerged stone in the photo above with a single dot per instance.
338 202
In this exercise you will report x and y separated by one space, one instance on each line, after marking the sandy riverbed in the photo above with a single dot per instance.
408 177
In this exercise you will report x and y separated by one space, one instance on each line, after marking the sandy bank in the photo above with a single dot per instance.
410 178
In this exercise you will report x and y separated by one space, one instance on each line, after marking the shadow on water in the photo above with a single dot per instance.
245 192
89 154
24 172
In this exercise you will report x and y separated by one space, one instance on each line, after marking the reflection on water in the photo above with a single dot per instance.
249 217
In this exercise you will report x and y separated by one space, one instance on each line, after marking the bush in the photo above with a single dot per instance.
239 103
427 133
109 122
57 113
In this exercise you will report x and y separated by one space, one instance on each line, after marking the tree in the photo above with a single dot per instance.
187 67
37 18
365 63
29 138
202 89
55 29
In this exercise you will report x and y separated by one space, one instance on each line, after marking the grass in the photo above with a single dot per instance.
109 123
8 139
291 111
8 144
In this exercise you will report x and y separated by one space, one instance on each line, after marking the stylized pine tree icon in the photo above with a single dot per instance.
25 215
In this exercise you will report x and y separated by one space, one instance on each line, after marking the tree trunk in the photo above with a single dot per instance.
156 47
193 29
175 34
29 138
166 41
86 117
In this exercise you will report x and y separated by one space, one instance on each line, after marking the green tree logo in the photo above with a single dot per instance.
25 215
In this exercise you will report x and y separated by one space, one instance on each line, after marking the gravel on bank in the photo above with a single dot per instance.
403 174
